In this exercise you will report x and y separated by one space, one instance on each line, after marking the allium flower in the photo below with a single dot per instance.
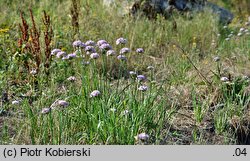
15 102
61 54
94 55
239 34
71 78
141 78
121 40
132 73
142 137
242 29
143 88
90 43
90 49
46 110
72 55
100 42
121 57
77 43
224 27
33 72
124 50
150 67
110 52
140 50
224 79
230 35
216 59
63 103
246 30
227 39
105 47
55 51
125 112
95 93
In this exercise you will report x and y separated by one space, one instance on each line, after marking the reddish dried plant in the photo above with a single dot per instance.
30 43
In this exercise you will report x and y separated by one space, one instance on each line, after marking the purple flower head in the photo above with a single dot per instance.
142 137
124 50
132 73
15 102
141 78
63 103
121 40
121 57
77 43
71 78
216 59
94 55
110 52
45 110
95 93
143 88
65 57
105 47
33 72
100 42
55 51
61 54
90 43
91 49
224 79
140 50
150 67
71 56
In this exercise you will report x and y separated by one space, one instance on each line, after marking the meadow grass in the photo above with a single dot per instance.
196 89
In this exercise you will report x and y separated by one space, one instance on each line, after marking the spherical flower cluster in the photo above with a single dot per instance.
78 43
121 57
140 50
143 88
55 51
100 42
71 78
15 102
94 56
216 59
105 46
95 93
61 54
90 43
110 52
46 110
224 79
124 50
132 73
121 40
142 137
33 72
71 56
141 78
90 49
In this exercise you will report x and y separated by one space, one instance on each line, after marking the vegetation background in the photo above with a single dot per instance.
198 91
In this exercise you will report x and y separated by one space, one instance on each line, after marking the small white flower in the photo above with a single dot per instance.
63 103
95 93
224 79
45 110
150 67
143 88
15 102
242 29
225 27
239 34
227 39
216 59
142 137
125 112
71 78
113 109
33 72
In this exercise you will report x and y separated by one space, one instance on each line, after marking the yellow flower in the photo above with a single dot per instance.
4 30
